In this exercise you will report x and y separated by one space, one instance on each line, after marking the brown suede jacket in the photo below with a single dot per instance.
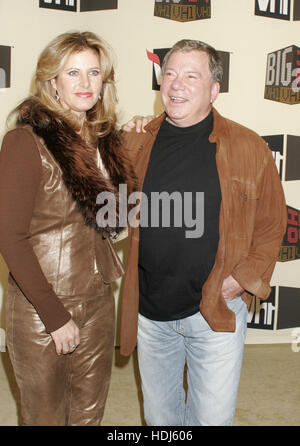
251 225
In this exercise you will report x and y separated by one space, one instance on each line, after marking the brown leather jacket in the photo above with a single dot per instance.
252 223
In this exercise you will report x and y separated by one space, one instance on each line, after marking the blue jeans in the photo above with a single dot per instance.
213 360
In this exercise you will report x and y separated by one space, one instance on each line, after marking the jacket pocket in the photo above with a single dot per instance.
244 203
244 190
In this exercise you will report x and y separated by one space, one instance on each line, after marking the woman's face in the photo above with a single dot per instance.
79 83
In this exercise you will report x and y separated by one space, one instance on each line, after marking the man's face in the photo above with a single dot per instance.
187 90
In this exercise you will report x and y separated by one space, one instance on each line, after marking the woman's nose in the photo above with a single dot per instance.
84 80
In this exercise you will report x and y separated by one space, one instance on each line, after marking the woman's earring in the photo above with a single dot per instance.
56 96
99 96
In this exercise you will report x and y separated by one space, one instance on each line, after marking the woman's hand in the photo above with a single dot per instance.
66 338
231 288
138 123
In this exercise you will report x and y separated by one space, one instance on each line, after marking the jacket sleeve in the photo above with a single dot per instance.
20 176
255 271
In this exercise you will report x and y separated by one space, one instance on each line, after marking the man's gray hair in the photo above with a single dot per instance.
186 45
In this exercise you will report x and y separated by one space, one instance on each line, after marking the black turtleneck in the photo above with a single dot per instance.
174 262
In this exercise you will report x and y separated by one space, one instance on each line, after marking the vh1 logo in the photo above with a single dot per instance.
277 9
66 5
285 147
85 5
5 62
261 315
157 58
183 10
283 76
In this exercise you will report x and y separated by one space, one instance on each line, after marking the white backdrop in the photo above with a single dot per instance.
131 30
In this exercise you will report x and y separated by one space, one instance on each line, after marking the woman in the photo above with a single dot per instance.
64 151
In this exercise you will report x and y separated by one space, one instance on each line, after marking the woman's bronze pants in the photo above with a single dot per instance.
68 389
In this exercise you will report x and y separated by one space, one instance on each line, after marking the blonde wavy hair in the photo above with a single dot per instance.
101 119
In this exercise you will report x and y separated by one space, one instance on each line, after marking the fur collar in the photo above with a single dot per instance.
78 161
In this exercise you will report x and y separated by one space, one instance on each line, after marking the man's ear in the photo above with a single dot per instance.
215 90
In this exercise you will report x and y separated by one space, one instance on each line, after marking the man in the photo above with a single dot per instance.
187 293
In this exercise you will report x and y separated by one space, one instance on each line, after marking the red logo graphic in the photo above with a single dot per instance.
290 248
